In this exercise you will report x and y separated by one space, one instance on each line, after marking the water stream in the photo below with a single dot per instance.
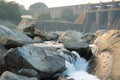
76 68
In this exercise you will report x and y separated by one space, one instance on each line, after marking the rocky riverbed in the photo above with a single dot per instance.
29 54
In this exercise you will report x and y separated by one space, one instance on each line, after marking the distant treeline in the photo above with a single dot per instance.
10 11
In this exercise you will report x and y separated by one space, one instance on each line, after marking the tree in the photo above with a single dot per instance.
10 11
14 12
38 5
44 16
22 9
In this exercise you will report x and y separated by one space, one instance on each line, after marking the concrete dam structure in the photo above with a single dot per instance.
93 17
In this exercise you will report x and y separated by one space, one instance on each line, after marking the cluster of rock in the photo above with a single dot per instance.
26 54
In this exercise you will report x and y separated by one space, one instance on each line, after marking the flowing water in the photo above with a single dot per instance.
76 68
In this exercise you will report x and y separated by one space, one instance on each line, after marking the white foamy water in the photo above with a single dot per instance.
78 69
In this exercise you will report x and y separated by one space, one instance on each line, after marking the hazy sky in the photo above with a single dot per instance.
56 3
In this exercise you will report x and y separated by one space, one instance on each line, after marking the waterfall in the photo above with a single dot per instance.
76 68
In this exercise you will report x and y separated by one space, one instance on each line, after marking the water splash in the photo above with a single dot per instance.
78 69
82 75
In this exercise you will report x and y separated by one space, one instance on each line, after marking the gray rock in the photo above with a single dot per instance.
29 73
13 38
89 37
40 34
43 59
62 78
11 76
57 75
59 32
72 40
100 32
27 26
52 36
37 39
2 53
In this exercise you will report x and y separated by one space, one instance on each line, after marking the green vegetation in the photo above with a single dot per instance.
38 6
22 10
10 11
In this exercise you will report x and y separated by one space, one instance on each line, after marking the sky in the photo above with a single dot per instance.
57 3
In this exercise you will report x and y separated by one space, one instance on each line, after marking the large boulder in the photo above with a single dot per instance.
107 56
46 60
72 40
12 38
12 76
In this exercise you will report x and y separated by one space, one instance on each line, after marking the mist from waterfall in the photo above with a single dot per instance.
76 68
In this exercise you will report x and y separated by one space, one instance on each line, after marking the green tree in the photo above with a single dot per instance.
38 5
13 11
22 9
3 11
44 16
10 11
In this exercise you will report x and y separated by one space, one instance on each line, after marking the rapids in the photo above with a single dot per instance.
76 68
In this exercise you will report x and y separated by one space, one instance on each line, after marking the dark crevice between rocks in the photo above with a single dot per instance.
9 46
12 44
84 52
92 65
